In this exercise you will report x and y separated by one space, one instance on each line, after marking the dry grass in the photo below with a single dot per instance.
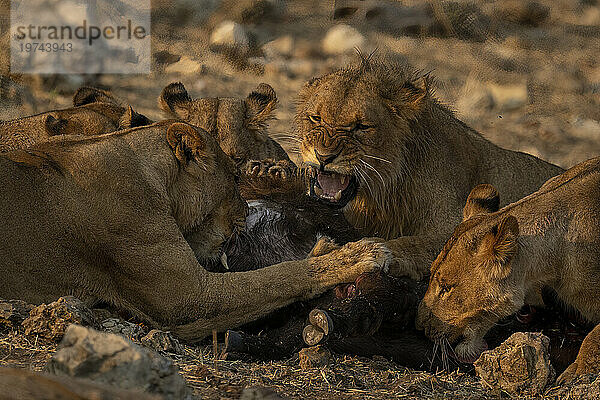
346 377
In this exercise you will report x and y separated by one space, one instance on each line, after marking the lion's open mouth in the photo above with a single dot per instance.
336 189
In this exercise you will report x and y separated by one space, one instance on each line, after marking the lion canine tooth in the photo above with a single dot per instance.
342 179
224 261
318 191
338 195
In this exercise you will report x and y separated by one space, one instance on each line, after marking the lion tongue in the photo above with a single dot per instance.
332 183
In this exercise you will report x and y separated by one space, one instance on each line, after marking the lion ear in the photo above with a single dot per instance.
87 95
55 126
483 199
500 246
185 141
132 119
260 105
176 100
412 97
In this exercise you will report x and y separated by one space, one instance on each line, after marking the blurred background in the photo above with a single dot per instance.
526 74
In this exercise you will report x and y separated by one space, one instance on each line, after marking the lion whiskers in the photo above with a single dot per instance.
378 158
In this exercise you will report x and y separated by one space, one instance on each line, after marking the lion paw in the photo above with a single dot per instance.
366 255
323 246
281 169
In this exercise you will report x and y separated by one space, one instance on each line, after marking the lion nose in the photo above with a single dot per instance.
325 159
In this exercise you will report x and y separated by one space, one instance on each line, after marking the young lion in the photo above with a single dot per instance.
399 163
495 259
95 112
238 125
111 217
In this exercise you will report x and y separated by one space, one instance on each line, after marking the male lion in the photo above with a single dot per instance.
495 259
94 112
111 217
399 163
238 125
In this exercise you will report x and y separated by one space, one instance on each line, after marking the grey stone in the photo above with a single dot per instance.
259 393
230 34
121 327
114 360
342 39
162 341
520 365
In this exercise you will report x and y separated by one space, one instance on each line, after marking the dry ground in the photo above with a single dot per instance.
529 88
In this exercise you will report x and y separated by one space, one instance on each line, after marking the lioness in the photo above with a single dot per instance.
111 216
95 112
238 125
495 259
399 163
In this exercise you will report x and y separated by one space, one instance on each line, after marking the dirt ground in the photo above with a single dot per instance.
526 80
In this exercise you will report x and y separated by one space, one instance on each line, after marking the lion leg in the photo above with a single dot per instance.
587 361
227 300
413 255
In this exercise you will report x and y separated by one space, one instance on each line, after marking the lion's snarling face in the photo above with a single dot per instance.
472 284
206 201
355 126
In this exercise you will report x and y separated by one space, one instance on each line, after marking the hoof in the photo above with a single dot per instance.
234 342
321 320
312 335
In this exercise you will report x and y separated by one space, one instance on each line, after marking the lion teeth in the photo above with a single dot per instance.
318 191
342 179
338 195
224 261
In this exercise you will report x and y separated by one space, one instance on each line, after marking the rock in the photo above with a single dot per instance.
314 357
50 321
165 57
13 313
588 129
530 13
280 47
342 39
230 34
259 393
249 11
114 360
24 384
162 341
520 365
121 327
509 97
184 66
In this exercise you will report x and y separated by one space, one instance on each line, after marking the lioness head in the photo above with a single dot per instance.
472 284
205 198
355 127
238 125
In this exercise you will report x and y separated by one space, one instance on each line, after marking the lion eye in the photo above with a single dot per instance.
362 127
444 288
315 119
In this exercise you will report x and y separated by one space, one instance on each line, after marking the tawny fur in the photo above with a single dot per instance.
415 161
496 259
240 125
111 216
95 112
